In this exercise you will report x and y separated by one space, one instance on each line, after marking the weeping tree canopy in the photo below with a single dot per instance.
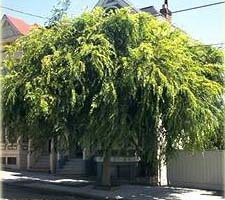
114 80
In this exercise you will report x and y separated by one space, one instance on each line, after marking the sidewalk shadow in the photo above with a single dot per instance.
26 177
215 193
12 192
158 193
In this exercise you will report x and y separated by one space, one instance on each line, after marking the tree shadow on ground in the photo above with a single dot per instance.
26 177
157 193
215 193
132 192
16 193
163 193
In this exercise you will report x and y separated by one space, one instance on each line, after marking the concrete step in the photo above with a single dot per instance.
71 172
73 166
34 169
43 160
73 169
75 161
40 167
44 157
40 170
42 163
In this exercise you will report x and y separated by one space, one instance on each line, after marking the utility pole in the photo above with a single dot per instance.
165 11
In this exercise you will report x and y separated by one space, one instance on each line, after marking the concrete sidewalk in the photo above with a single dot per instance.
86 189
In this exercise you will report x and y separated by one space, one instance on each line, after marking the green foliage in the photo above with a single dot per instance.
217 140
115 81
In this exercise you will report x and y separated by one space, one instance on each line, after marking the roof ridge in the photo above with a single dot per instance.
20 25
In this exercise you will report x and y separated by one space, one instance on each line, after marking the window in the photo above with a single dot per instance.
11 160
12 146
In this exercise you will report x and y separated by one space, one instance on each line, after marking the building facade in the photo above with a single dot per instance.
14 155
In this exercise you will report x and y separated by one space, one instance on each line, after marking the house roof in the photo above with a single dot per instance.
21 26
126 3
151 10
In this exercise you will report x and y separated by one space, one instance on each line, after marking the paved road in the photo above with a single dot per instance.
11 192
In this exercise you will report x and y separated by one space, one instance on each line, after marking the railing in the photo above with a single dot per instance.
13 146
10 146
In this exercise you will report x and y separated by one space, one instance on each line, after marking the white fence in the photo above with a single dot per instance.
203 170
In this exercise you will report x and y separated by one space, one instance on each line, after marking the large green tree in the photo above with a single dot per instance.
115 80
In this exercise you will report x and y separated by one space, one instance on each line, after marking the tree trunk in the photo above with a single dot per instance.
149 168
106 171
53 157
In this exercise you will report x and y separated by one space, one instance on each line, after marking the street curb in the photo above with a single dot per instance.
69 193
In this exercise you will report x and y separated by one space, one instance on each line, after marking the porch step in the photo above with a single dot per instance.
73 166
42 164
39 170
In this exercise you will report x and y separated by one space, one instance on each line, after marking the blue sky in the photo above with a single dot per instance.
206 24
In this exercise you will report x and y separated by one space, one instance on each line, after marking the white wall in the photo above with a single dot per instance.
203 170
